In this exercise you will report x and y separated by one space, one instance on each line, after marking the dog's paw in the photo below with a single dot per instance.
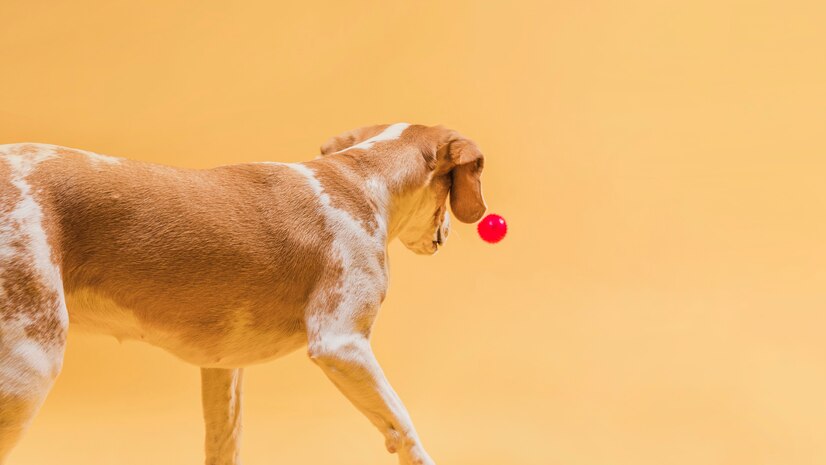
415 455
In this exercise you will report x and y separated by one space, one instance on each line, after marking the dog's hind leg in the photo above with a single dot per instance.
221 397
33 315
33 325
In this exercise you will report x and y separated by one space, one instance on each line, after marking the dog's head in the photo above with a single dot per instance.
426 165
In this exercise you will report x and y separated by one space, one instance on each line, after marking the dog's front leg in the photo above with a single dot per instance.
347 359
221 397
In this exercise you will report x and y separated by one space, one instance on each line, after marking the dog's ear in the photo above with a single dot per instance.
351 138
465 162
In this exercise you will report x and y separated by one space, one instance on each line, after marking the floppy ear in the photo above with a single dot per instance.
467 162
350 138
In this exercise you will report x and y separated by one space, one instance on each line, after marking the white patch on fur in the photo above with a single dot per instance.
98 158
36 358
50 150
392 132
363 279
378 191
25 364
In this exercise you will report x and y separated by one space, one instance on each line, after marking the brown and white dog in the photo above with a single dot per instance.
223 267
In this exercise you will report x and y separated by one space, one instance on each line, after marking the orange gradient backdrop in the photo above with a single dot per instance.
659 299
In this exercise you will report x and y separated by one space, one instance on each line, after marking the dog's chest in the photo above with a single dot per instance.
228 341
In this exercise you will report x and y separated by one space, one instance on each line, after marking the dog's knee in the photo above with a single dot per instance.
335 349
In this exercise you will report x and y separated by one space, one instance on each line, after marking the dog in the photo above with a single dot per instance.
223 267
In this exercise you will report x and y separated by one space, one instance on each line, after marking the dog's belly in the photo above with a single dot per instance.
236 345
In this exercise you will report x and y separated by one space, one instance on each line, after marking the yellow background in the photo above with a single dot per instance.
659 299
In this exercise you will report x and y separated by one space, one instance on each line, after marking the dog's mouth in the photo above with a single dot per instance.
442 230
439 238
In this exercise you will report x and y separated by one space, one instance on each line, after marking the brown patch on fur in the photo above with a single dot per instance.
67 152
9 194
23 292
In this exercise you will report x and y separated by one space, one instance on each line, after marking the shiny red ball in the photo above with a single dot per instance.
492 228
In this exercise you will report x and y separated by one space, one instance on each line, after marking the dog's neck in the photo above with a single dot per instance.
393 183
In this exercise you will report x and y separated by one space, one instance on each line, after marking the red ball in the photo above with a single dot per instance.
492 228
